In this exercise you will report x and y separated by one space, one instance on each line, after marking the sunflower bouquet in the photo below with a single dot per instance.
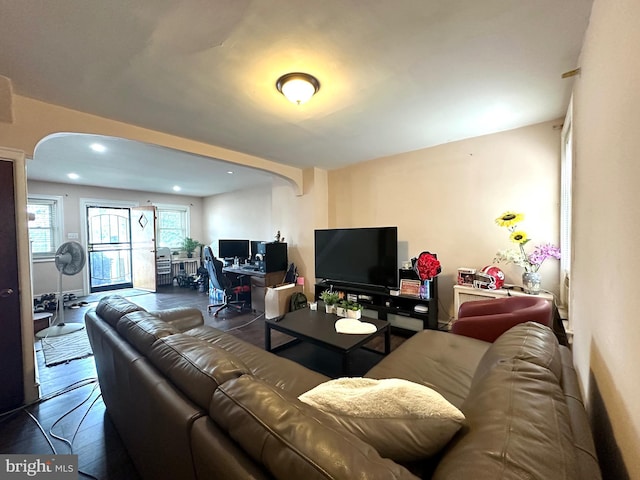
531 262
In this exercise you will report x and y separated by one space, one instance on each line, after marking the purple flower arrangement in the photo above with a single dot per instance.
531 262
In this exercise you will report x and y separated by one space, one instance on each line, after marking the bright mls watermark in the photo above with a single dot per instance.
51 467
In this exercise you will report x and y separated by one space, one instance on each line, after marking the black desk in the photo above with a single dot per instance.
259 282
243 271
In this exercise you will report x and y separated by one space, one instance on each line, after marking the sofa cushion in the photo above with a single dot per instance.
439 360
112 307
194 366
277 371
142 329
518 428
182 318
292 439
530 342
403 420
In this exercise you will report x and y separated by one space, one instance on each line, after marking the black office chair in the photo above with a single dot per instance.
232 294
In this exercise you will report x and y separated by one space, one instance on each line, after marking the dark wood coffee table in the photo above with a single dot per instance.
317 327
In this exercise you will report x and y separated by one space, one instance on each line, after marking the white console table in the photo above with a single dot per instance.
463 293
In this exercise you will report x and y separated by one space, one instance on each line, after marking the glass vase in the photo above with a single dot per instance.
425 290
531 283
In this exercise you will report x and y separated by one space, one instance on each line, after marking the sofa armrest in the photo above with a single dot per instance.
485 327
181 318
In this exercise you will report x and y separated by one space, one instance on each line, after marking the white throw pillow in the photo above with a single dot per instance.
402 420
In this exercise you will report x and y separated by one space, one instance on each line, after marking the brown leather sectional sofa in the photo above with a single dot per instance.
193 402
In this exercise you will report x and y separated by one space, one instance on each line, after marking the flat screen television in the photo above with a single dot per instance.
364 256
233 248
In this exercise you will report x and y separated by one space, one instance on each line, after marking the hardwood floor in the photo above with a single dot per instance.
71 406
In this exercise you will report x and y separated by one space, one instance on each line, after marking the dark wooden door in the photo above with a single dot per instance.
11 387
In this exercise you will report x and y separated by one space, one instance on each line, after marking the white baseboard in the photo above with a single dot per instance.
77 293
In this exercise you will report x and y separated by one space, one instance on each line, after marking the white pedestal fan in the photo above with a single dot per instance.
70 259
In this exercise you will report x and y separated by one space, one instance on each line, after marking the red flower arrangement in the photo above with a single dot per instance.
426 265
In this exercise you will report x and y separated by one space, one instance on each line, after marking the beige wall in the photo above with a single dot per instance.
298 217
605 302
45 274
445 199
242 214
258 214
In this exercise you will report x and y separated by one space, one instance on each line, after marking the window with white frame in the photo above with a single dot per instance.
566 193
45 230
172 225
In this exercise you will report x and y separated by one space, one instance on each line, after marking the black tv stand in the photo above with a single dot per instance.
340 285
389 307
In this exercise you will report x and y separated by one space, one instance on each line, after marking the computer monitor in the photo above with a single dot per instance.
254 248
233 248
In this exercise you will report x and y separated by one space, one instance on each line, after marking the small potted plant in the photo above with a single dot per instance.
189 245
354 310
341 308
330 298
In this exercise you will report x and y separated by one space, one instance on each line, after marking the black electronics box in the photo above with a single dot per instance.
274 256
407 274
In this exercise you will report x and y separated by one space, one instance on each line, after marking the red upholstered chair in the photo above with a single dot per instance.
488 319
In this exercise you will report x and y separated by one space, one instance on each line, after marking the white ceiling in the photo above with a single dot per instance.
396 75
130 165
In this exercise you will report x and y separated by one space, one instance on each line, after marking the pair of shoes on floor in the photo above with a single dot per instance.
78 305
46 303
67 297
47 297
50 305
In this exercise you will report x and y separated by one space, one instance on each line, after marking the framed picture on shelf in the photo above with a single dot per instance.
466 276
410 287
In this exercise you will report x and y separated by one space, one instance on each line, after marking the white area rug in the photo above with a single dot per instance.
65 348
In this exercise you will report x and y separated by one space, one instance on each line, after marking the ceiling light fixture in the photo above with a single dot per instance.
298 87
98 147
73 176
176 188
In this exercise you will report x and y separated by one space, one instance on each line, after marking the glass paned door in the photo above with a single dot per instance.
109 247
